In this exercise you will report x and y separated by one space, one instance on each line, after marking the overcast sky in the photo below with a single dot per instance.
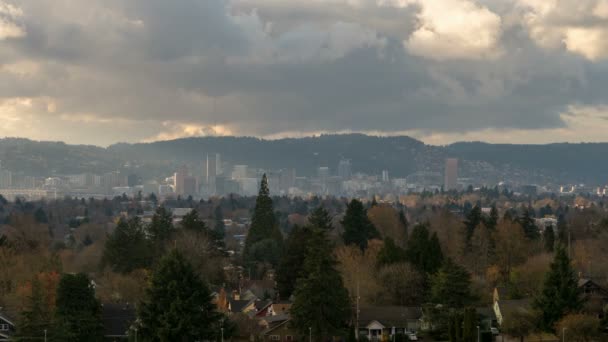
103 71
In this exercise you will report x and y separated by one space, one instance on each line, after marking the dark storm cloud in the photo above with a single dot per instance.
261 67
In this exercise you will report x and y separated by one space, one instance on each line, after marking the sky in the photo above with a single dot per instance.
106 71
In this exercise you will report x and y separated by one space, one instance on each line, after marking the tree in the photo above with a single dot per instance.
320 218
321 301
492 221
424 252
451 285
179 304
292 264
579 328
469 325
40 216
561 294
511 247
127 249
358 229
37 316
390 253
78 316
192 222
219 227
264 226
402 285
549 239
473 219
562 230
518 323
161 228
529 226
404 224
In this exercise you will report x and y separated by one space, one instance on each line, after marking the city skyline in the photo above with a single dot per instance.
103 72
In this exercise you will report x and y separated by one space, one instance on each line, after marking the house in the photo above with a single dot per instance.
263 308
7 328
281 307
596 297
280 332
117 320
376 322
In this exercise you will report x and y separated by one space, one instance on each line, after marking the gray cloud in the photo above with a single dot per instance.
147 69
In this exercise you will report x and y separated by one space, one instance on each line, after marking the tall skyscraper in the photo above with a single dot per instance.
451 174
344 169
385 177
179 179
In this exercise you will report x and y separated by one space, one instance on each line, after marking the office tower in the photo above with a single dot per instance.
179 179
451 174
385 177
323 173
344 169
239 172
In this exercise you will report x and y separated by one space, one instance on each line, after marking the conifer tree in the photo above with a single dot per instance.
292 264
179 304
192 222
404 223
549 239
473 219
390 253
320 218
264 231
451 285
560 294
219 227
127 249
529 226
424 252
161 228
322 302
492 221
78 313
562 230
358 229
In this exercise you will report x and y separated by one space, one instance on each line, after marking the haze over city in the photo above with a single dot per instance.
100 72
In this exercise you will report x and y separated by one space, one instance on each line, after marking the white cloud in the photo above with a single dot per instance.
455 29
578 26
8 21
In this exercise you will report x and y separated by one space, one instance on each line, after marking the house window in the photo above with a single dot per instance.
3 327
288 338
275 337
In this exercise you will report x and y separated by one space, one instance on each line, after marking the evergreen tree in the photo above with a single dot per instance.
549 239
492 221
562 230
292 264
404 224
560 294
473 219
40 216
127 249
179 304
390 253
78 313
192 222
219 226
527 222
451 285
469 325
322 302
320 218
161 228
424 252
358 229
36 317
264 231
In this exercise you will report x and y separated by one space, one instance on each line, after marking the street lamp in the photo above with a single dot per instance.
222 329
478 334
564 334
310 334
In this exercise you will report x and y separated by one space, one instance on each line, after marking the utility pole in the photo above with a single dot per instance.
309 334
478 334
357 312
44 335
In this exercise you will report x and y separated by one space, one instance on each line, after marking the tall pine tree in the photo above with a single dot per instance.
321 302
320 218
291 267
549 239
161 228
78 313
179 305
529 226
127 249
472 221
358 229
264 240
451 286
560 294
36 317
424 252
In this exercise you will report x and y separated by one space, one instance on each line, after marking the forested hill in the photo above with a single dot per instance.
575 163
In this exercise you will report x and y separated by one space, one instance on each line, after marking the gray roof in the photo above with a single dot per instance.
239 305
389 316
